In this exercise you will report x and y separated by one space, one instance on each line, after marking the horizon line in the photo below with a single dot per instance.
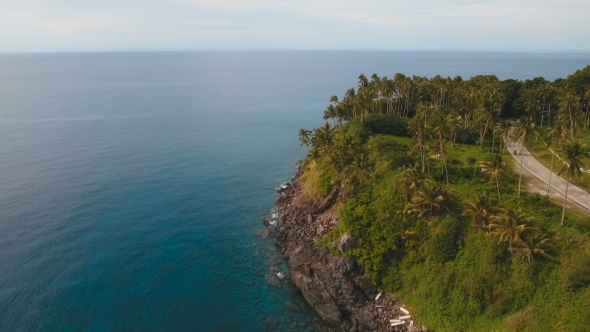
298 50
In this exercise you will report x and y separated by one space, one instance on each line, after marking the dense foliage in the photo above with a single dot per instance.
440 217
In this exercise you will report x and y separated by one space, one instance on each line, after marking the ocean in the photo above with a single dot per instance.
133 185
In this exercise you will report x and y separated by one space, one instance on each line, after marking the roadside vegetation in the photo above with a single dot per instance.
440 217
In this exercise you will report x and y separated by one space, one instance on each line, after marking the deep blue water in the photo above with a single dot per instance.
132 184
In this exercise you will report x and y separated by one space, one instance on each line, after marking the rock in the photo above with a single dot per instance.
264 233
271 324
272 261
335 287
347 242
266 222
320 229
272 280
346 325
292 306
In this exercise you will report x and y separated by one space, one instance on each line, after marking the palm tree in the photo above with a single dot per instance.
572 152
546 92
479 210
414 180
418 131
502 130
440 131
587 115
534 245
556 135
568 105
532 107
334 99
431 199
358 172
523 131
331 113
304 136
322 138
511 226
496 170
345 146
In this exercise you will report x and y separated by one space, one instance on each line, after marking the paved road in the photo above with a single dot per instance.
574 194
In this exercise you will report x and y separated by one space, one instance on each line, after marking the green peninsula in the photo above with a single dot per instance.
442 216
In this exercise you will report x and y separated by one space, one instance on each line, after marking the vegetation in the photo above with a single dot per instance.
440 218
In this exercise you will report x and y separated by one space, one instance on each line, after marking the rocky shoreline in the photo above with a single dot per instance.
335 286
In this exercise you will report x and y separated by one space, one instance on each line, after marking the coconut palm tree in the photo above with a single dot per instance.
546 92
418 131
414 180
331 113
572 152
322 138
304 136
523 131
511 226
496 169
440 131
532 107
358 172
431 199
479 210
334 99
587 115
555 136
569 103
534 245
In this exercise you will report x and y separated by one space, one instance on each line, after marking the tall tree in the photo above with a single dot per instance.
431 199
587 100
511 226
496 170
534 245
569 103
304 136
523 131
479 210
418 131
440 131
572 152
546 92
555 136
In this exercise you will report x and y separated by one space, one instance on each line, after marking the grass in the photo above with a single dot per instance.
454 276
474 284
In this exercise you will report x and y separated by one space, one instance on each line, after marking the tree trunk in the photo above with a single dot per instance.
567 182
550 173
498 187
520 177
493 141
442 153
571 123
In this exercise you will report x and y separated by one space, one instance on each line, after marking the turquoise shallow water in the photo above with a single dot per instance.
132 185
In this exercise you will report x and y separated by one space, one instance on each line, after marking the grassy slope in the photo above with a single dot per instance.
476 285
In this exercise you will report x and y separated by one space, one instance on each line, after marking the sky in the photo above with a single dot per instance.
220 25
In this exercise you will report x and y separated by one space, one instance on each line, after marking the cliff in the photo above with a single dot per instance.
335 286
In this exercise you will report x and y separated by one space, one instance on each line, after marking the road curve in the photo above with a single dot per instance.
574 194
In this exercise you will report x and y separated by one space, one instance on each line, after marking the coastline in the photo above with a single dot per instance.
335 286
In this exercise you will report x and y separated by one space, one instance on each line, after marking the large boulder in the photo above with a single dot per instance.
347 242
331 284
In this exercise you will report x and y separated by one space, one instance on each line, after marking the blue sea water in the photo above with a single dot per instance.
132 185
